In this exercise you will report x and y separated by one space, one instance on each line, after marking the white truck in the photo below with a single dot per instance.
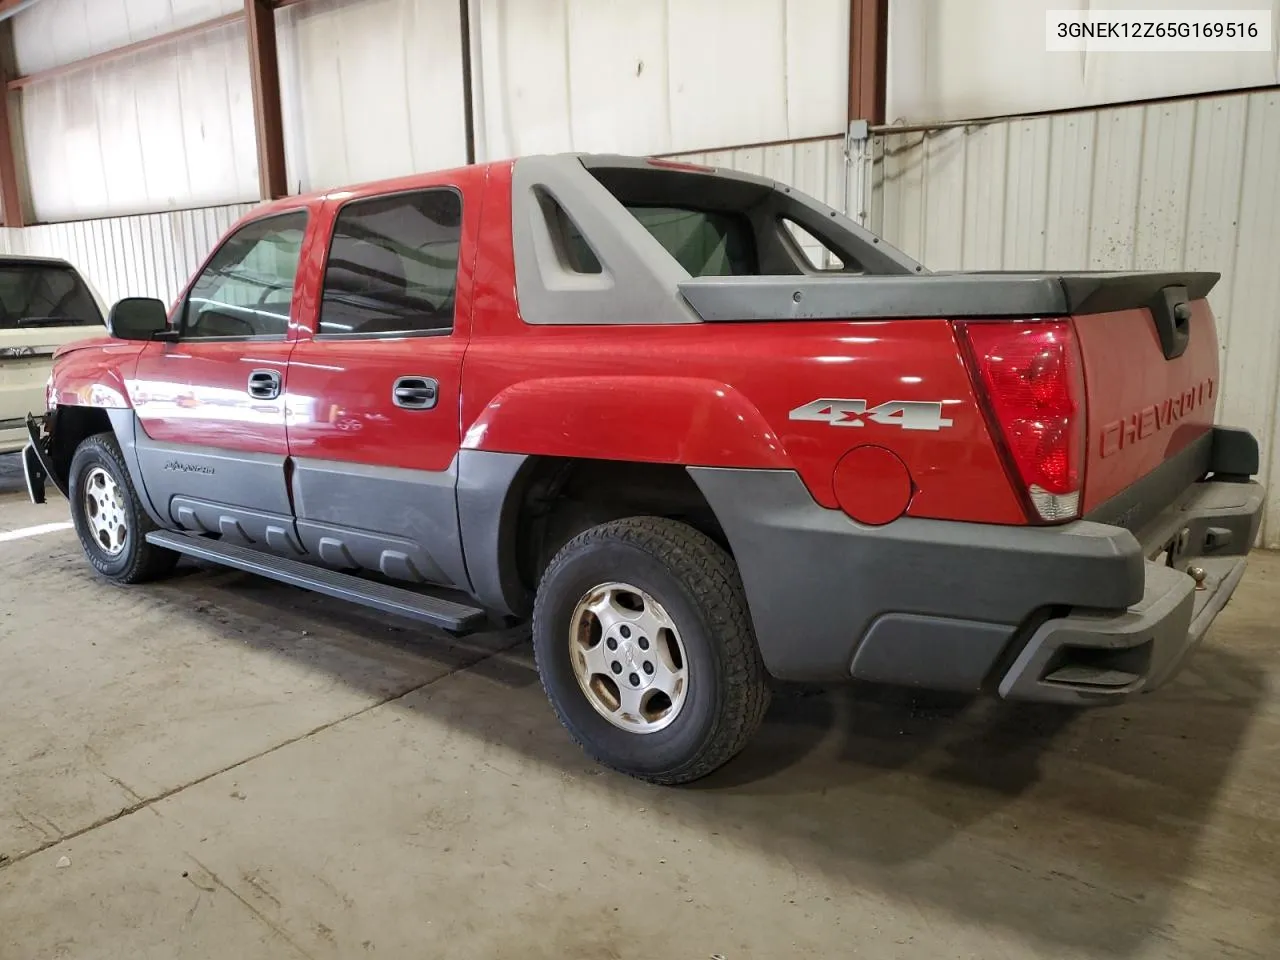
44 303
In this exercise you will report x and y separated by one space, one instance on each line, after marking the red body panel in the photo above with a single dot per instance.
196 393
720 395
95 373
1142 409
340 408
649 393
339 391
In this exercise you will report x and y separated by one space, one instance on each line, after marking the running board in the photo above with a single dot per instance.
445 614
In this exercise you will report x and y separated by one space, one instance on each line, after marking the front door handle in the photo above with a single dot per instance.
264 384
415 393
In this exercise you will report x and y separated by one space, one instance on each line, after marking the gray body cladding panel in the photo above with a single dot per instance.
401 523
977 295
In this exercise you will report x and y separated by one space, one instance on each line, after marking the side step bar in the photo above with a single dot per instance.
445 614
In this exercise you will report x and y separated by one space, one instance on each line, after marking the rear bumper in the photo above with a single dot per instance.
1078 613
1086 655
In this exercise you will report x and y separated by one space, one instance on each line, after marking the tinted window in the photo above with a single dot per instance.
393 266
246 289
572 248
39 295
706 244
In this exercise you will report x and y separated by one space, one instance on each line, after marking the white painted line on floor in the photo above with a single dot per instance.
25 532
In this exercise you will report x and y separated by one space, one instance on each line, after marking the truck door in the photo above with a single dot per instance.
211 406
373 387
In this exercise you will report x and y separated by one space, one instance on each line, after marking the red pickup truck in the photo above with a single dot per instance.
704 429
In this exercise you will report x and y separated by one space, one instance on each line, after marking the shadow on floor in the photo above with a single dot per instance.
1071 828
11 479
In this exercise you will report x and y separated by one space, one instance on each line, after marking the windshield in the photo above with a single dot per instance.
44 295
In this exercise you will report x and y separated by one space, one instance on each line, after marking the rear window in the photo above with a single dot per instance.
706 244
726 226
39 295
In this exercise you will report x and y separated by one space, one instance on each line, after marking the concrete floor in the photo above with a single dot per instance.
218 766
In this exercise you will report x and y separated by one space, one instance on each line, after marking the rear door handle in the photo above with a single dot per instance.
264 384
415 393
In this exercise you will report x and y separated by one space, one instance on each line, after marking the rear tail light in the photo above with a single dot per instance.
1030 377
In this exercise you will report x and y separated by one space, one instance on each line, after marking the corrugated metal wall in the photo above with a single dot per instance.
1187 185
151 255
657 76
373 89
162 129
54 32
961 59
370 89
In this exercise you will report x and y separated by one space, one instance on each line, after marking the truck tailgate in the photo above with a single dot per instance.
1144 408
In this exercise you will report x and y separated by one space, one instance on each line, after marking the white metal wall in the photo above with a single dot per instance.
373 89
1187 185
370 89
162 129
54 32
961 59
152 255
658 76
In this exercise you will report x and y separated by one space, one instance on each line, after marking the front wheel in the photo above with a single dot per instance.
645 648
109 519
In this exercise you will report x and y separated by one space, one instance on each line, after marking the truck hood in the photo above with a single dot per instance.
83 341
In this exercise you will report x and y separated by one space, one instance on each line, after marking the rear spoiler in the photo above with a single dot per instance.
1002 294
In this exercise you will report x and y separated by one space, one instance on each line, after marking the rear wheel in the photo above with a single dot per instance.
109 518
646 651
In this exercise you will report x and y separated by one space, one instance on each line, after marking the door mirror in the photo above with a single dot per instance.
137 318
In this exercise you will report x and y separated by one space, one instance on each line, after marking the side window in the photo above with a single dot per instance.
817 254
246 289
393 266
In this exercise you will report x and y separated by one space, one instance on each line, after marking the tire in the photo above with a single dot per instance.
123 556
688 579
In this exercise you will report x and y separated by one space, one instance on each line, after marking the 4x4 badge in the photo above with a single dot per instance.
907 414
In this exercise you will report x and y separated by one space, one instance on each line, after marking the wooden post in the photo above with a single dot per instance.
13 179
468 105
868 59
264 68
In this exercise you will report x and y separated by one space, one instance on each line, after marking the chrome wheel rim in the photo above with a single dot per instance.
104 512
628 658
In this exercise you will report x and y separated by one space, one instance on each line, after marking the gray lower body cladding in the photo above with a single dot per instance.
397 522
1075 613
